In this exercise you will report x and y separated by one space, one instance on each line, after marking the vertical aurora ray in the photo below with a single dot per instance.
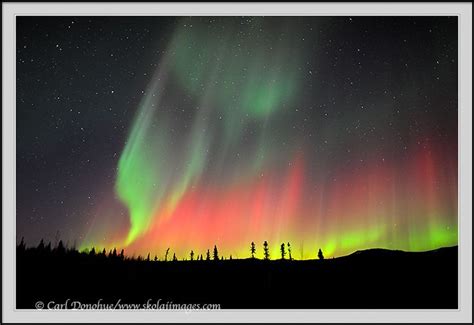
146 181
212 158
137 172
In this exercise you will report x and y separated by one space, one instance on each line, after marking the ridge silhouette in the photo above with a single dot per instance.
373 278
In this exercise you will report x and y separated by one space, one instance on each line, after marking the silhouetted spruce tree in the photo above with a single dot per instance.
166 254
74 245
41 245
92 252
230 257
215 254
174 257
114 253
208 256
48 247
289 251
61 250
21 246
122 255
191 255
320 254
282 250
200 258
156 258
266 254
252 249
148 257
56 238
73 251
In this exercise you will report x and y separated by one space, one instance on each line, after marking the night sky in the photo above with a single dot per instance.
152 132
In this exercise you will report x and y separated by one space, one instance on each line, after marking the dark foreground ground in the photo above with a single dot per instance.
366 279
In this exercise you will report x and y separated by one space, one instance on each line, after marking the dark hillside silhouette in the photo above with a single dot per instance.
374 278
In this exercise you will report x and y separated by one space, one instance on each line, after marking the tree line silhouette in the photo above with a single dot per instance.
374 278
61 249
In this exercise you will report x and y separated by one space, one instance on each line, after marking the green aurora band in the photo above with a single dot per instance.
212 157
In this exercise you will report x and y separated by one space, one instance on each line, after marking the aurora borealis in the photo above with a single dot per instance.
337 133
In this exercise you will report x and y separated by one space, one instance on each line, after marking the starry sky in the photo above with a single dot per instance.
146 133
